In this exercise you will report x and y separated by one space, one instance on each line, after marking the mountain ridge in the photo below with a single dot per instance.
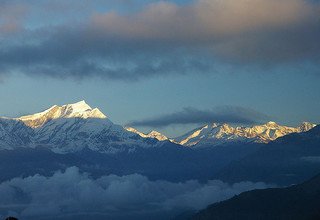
301 201
69 128
72 127
287 160
152 134
216 134
77 110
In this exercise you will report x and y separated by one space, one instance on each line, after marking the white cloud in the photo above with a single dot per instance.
71 192
313 159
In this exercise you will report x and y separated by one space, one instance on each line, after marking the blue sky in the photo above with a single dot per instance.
138 60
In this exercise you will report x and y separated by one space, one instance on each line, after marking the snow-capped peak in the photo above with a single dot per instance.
216 134
157 135
153 134
271 124
76 110
81 106
70 128
80 110
306 126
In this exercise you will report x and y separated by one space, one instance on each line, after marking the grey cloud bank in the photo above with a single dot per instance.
71 192
162 38
222 114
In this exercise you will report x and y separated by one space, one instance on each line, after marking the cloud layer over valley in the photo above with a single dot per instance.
71 192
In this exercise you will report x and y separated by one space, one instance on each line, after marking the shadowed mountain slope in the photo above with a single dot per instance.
288 160
298 202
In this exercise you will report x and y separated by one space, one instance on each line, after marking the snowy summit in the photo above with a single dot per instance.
77 110
215 134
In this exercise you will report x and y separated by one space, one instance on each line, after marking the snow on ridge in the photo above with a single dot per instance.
77 125
70 128
216 134
76 110
152 134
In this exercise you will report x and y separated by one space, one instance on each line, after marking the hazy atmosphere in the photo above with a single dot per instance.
163 110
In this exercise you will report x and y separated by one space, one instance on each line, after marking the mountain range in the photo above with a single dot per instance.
73 127
290 159
216 134
78 135
95 144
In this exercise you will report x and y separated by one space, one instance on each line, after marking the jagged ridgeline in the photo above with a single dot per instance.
72 127
78 135
69 128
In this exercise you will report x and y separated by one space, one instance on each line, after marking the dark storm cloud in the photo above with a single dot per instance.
226 114
71 192
63 57
162 38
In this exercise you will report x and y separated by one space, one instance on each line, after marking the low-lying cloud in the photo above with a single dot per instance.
312 159
161 38
223 114
71 192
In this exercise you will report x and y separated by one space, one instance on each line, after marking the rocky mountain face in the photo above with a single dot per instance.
14 133
216 134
